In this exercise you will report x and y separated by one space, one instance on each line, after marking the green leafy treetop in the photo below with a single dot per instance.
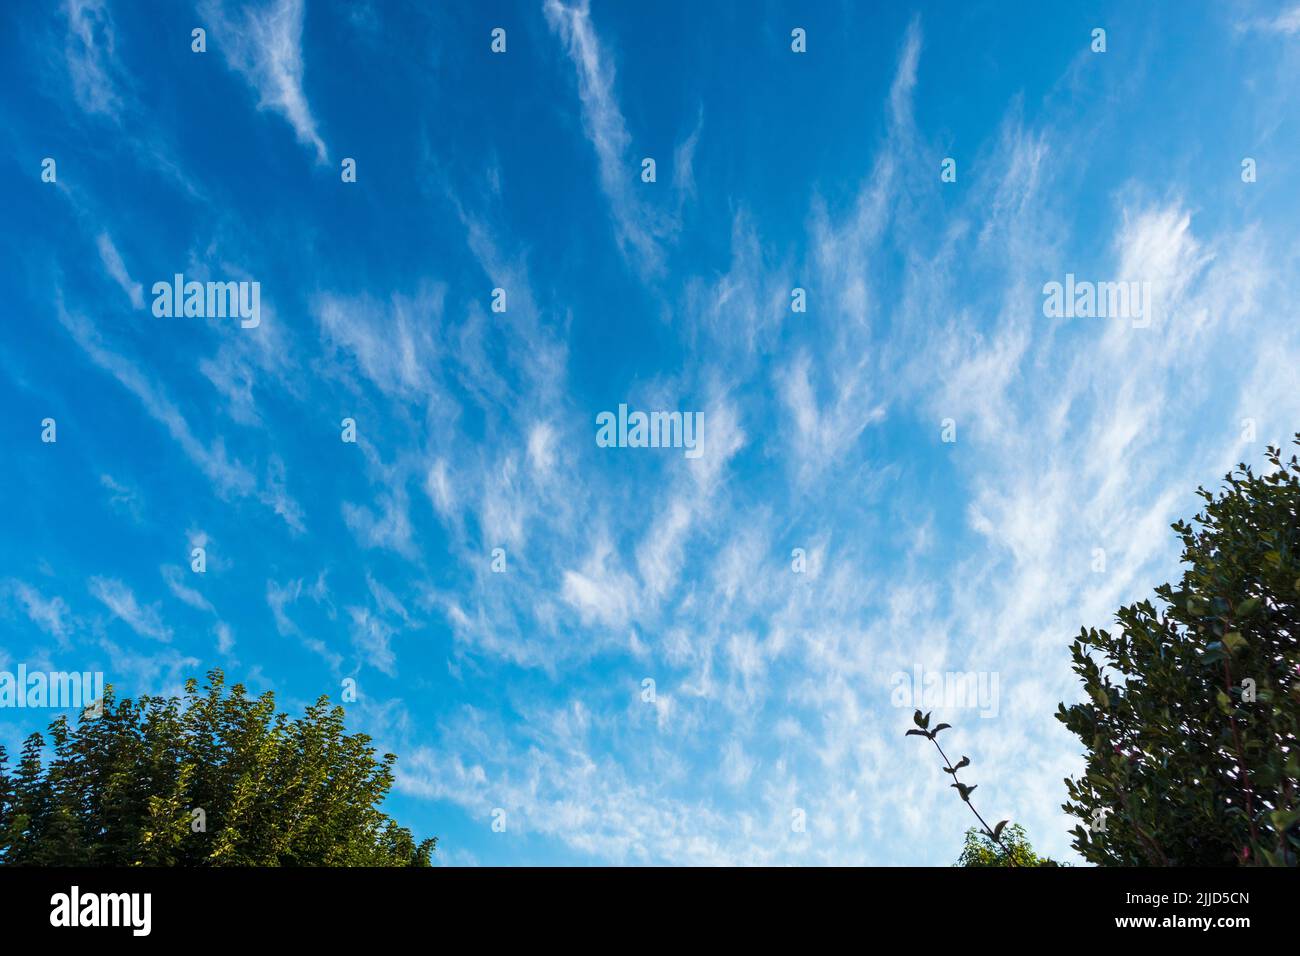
1012 849
215 779
1192 756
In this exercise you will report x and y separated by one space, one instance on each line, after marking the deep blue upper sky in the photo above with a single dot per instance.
522 691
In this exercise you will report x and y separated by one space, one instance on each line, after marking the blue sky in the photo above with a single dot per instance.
522 691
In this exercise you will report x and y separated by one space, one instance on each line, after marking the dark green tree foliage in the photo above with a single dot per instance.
1012 849
1191 744
215 779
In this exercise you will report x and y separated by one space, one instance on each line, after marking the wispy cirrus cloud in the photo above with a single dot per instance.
1287 22
52 615
264 45
641 227
145 620
91 58
175 578
229 477
116 268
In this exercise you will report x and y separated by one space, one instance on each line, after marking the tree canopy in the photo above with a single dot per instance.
217 778
1011 849
1194 704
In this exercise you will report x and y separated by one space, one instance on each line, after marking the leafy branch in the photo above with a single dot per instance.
922 729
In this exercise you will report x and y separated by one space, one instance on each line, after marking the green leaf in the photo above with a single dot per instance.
1284 820
1234 641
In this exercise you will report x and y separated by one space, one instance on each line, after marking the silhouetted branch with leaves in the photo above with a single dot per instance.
922 729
